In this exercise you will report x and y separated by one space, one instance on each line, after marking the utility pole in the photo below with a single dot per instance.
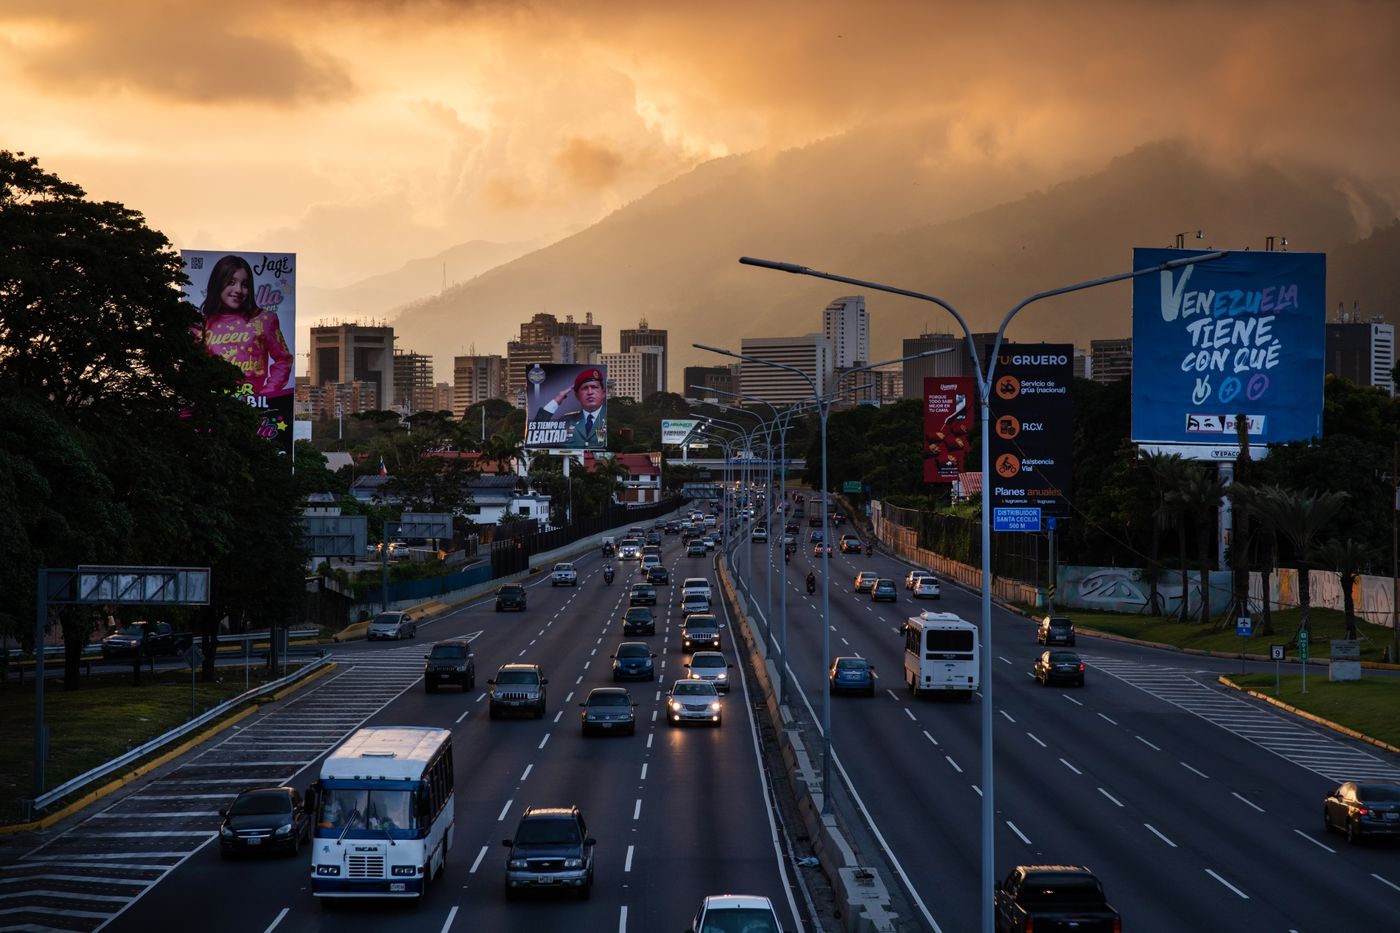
1394 552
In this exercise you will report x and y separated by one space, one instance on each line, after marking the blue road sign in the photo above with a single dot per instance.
1015 519
1244 626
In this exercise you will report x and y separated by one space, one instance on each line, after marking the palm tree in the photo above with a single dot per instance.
1239 517
1165 471
1350 560
501 449
1198 495
1300 517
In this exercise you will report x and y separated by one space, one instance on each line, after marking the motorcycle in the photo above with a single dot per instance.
869 550
608 575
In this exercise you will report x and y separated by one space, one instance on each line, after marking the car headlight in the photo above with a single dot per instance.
226 832
517 864
403 870
714 706
723 676
461 668
284 829
327 869
676 706
573 863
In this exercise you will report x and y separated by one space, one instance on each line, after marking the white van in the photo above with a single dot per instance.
941 654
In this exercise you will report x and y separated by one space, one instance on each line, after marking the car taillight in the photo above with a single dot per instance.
1362 811
1081 666
1117 925
1030 925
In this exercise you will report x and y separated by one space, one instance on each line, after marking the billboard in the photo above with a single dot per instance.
947 423
567 407
1237 336
1032 440
676 430
247 308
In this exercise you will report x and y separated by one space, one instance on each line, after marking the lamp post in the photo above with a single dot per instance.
823 403
744 437
984 385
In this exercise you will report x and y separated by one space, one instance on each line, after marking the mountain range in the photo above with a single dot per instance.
882 205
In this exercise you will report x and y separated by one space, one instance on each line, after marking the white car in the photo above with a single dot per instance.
760 533
692 603
564 575
912 576
926 588
693 701
721 913
712 667
392 624
695 585
629 549
649 561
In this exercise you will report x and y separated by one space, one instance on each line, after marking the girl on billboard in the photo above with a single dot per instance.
237 330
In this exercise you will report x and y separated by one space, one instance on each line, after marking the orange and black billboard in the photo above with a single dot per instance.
1032 427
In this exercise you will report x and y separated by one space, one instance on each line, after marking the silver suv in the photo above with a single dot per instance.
518 688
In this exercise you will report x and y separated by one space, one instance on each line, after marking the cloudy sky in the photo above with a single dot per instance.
363 133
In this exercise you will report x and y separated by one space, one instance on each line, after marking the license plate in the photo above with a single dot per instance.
546 879
1392 816
397 886
254 840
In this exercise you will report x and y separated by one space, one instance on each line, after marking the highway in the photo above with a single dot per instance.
1198 809
678 813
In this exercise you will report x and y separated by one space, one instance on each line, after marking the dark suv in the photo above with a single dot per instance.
700 632
510 596
1055 630
551 849
450 662
517 688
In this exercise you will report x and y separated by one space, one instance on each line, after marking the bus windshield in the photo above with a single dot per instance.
373 811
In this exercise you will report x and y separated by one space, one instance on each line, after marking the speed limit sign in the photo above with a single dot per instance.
1276 652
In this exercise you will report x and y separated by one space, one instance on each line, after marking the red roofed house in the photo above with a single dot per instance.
641 479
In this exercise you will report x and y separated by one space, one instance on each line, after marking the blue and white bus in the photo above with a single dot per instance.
384 813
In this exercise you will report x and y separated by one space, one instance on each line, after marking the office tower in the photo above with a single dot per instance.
644 336
956 362
810 353
476 379
1111 360
721 378
413 382
1362 352
846 327
354 353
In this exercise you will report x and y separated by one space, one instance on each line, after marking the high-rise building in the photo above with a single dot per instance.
413 382
333 399
701 378
1111 360
351 353
632 375
544 327
846 327
956 362
1359 351
811 354
644 336
520 356
1083 364
475 379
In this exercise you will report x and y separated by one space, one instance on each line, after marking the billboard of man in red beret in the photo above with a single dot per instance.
574 414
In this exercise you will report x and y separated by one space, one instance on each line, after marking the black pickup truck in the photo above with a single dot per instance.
146 640
1051 898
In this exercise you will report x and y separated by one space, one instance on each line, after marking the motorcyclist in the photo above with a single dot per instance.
869 549
607 573
811 582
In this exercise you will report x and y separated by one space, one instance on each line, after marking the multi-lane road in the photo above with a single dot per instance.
1198 808
678 813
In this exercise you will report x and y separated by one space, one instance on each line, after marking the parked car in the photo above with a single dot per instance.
633 662
517 688
726 913
638 620
658 576
642 594
510 596
264 819
884 589
1059 667
608 710
853 675
551 849
1055 630
926 587
710 666
564 575
865 581
1053 897
693 701
1359 809
392 624
450 662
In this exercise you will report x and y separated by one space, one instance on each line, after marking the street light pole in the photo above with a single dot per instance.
984 384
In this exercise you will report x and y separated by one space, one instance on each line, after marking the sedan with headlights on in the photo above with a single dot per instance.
608 710
711 667
693 701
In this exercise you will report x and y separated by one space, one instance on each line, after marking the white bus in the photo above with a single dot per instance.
384 813
941 654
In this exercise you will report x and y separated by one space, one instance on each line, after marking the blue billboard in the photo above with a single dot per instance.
1241 335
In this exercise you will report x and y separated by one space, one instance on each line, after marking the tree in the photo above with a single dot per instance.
1197 496
1300 518
1350 560
1166 471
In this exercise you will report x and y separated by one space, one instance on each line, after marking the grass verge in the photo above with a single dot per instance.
1368 705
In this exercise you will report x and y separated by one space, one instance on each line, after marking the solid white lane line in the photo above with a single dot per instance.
504 811
1249 802
930 738
1036 740
637 810
1151 829
909 714
528 769
273 925
1006 714
1147 743
1227 884
451 915
546 736
1110 721
1110 796
1071 767
1194 771
1018 832
477 863
950 761
627 865
1315 842
463 716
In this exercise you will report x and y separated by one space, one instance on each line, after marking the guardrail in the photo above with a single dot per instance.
94 649
102 770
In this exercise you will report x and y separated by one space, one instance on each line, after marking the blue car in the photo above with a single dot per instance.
633 662
852 675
